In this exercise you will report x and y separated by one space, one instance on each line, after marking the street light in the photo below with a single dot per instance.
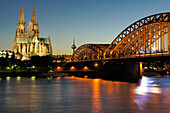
96 64
86 68
72 68
58 68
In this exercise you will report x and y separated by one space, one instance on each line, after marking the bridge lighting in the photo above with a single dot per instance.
97 80
58 61
58 77
85 76
96 64
141 52
86 68
154 49
141 70
111 52
72 77
58 68
72 68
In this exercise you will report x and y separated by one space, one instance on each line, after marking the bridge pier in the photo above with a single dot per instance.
116 71
140 68
128 71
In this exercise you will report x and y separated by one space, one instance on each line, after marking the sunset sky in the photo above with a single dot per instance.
88 21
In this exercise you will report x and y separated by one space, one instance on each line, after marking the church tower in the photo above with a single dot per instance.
33 27
21 31
27 46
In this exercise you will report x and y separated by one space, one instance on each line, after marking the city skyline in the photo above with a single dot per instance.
86 21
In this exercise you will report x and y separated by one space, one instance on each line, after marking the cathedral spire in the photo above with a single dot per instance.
21 15
34 18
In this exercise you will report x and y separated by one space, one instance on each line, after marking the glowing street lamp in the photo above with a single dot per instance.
85 76
86 68
96 64
58 68
72 68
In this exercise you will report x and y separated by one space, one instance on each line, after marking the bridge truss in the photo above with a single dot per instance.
147 36
89 52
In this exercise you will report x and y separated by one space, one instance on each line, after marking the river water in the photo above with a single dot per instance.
83 95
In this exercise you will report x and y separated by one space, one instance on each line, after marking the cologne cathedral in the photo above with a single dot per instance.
31 44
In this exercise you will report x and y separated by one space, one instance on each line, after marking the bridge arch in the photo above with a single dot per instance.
89 52
144 35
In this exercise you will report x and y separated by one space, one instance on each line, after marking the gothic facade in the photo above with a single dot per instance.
29 43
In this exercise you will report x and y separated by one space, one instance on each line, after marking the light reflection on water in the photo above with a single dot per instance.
153 92
75 95
96 100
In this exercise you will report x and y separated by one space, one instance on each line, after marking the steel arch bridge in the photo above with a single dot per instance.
89 52
148 35
145 37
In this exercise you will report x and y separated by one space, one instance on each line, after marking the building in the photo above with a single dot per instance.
6 53
29 43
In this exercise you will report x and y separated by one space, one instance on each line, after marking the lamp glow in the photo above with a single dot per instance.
8 78
18 78
72 68
33 78
58 68
96 64
86 68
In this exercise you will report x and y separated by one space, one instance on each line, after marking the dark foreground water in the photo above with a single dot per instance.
78 95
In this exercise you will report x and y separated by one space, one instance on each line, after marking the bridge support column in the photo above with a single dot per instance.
168 38
140 68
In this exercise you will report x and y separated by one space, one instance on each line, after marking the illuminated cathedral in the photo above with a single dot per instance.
31 44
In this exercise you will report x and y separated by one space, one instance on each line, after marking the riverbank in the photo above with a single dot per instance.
22 74
31 73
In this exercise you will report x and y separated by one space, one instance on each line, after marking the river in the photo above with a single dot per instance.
83 95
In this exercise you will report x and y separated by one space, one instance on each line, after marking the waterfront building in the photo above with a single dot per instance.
6 53
31 44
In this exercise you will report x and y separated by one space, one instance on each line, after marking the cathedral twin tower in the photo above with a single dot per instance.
31 44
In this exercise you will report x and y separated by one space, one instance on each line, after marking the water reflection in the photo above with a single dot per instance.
152 94
75 95
149 85
33 78
96 103
8 78
18 78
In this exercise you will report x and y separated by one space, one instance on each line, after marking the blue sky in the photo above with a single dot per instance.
88 21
